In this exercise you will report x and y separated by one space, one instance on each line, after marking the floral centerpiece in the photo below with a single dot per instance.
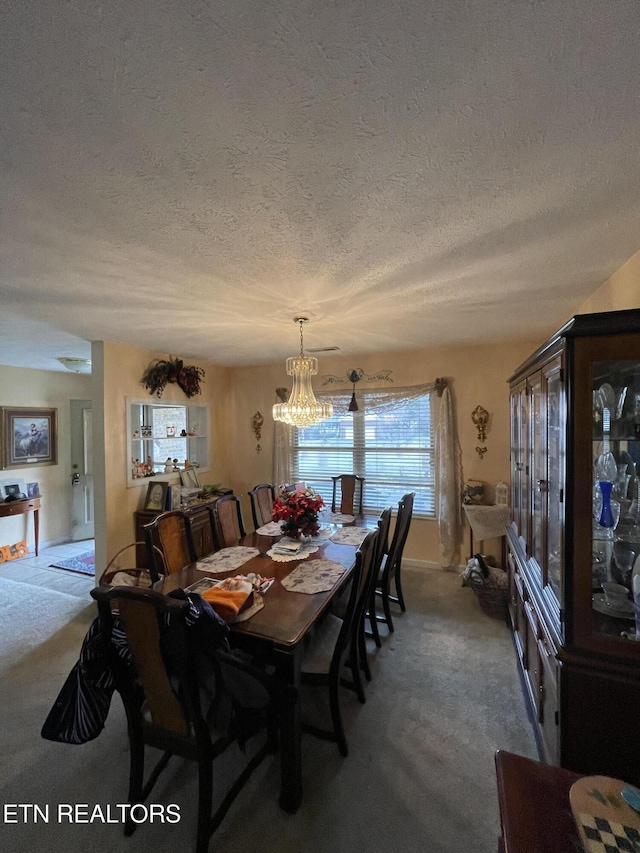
296 508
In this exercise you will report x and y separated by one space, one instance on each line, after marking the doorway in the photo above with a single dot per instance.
82 519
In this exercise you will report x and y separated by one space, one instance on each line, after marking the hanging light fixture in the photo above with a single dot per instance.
302 409
354 376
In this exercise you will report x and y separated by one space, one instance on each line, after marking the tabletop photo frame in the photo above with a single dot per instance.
28 437
156 497
189 478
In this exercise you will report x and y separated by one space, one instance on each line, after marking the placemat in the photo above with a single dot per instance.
340 518
314 576
227 559
350 535
272 528
605 822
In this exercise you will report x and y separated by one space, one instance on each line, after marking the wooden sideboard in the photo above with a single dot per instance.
8 508
200 526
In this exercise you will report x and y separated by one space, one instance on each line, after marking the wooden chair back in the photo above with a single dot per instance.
262 498
351 494
229 520
400 533
358 597
171 532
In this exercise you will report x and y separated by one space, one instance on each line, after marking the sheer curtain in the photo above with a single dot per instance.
447 453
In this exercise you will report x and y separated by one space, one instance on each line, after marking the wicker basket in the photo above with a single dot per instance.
492 592
119 565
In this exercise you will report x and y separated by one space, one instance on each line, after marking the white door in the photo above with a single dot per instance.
81 470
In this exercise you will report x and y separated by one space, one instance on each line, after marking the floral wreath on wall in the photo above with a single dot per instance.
172 370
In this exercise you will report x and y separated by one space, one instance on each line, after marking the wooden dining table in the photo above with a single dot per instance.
278 631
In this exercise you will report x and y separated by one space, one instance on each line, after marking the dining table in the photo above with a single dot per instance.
278 632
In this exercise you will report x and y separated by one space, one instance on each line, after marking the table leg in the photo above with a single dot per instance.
36 527
288 665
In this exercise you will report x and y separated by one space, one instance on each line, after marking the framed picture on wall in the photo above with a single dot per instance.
28 437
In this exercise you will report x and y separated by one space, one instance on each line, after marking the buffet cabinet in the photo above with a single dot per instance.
200 528
575 497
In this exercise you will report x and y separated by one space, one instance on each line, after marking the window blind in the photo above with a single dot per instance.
392 450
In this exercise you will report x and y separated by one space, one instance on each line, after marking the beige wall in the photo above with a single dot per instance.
122 368
52 390
478 376
620 292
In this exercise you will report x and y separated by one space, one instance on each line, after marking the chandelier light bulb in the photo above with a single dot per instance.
302 409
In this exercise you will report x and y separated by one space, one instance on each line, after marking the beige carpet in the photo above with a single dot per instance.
419 777
30 615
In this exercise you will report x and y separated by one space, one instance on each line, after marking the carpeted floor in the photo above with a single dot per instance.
31 615
419 776
85 563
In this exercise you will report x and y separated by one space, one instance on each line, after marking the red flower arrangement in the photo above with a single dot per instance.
297 507
163 371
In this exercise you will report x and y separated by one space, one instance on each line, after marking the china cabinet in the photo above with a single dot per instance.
575 466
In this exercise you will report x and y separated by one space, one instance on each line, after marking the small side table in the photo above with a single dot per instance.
19 508
487 522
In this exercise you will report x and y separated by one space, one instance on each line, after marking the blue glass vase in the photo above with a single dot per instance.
606 515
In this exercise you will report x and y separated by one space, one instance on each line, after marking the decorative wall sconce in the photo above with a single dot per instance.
480 418
354 376
257 422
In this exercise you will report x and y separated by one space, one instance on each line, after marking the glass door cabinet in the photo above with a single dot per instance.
575 490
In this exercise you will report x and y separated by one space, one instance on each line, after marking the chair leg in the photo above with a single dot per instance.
336 717
136 778
205 796
354 666
362 647
386 606
399 591
373 622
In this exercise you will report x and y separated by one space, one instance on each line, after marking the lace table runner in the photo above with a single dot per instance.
340 518
308 547
227 559
350 535
314 576
271 529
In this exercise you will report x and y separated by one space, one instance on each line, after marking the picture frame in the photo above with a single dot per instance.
156 497
189 478
33 490
12 487
28 437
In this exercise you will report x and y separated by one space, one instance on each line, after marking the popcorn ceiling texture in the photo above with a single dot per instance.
189 175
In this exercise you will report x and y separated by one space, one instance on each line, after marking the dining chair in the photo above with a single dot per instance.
384 525
351 494
170 706
262 498
229 521
326 656
171 532
392 563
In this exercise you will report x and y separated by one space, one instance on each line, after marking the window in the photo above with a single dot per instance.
159 432
392 450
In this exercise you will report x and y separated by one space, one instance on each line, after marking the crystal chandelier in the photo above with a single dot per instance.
302 409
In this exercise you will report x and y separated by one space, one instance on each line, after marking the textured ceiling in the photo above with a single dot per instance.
189 175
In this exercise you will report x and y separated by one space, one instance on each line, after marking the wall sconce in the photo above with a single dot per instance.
257 422
480 418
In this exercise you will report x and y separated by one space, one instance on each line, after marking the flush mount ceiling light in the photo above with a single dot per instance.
302 409
76 365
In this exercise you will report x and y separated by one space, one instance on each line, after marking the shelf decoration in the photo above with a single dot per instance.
162 372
